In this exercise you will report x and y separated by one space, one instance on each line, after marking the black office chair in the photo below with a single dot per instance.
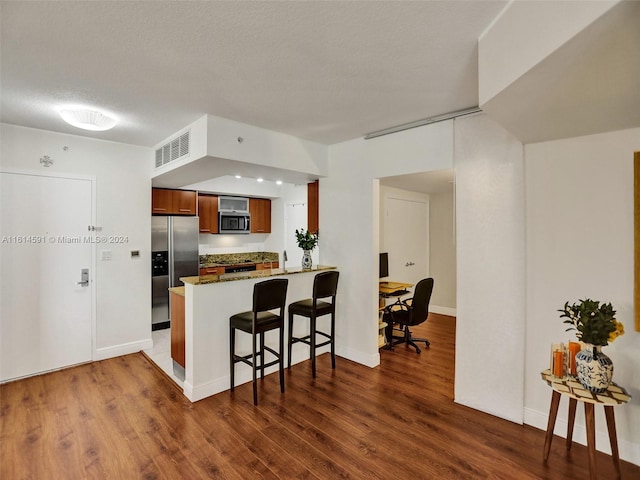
267 295
325 285
409 314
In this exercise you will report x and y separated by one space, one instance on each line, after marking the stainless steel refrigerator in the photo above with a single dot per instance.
174 254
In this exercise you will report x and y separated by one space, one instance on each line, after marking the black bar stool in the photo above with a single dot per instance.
267 295
325 285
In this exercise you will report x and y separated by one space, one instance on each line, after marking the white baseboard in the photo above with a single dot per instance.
629 451
205 390
368 360
122 349
443 310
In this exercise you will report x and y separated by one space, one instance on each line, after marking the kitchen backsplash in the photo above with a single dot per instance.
233 258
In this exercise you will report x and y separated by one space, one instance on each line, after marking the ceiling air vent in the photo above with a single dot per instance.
173 150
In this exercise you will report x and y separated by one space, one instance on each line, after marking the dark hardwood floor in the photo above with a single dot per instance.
123 419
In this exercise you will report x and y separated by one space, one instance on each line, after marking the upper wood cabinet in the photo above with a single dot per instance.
161 201
208 213
312 206
184 202
260 210
166 201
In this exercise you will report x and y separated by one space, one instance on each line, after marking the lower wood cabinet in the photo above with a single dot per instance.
212 271
267 265
177 329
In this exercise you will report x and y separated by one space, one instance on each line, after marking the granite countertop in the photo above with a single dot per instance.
177 291
229 259
230 277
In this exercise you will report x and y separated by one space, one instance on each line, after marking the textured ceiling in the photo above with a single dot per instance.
324 71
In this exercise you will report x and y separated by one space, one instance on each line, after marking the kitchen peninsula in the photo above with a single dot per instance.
209 302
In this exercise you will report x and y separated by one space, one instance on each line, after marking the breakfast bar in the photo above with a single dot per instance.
209 302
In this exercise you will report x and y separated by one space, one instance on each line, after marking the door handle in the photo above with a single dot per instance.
84 277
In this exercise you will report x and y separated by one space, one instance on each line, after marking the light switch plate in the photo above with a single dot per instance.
105 255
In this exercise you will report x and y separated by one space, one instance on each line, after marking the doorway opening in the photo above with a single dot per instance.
417 231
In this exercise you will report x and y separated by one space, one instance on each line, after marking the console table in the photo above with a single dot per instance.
572 388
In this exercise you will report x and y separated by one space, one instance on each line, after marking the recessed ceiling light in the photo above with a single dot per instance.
279 182
88 119
238 176
260 179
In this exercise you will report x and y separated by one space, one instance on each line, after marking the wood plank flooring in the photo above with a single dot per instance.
123 419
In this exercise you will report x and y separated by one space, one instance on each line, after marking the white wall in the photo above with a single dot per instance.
490 239
580 244
491 268
123 184
349 218
442 252
296 218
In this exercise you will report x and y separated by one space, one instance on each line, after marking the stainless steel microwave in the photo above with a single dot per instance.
234 222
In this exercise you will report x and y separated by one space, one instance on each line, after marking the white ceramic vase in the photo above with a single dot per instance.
594 368
306 259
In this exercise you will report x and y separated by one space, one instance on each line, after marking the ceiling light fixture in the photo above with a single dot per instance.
420 123
278 182
260 179
88 119
238 176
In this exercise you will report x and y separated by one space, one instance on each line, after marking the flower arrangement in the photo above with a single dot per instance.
306 240
594 323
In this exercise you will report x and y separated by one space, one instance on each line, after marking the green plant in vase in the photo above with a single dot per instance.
595 325
307 241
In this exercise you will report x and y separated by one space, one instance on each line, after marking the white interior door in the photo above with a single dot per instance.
406 239
45 315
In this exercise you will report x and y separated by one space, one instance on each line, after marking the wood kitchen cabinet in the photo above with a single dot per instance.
161 201
208 213
267 265
184 202
212 271
166 201
177 328
312 206
260 209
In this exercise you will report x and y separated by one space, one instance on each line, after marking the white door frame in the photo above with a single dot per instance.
94 262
